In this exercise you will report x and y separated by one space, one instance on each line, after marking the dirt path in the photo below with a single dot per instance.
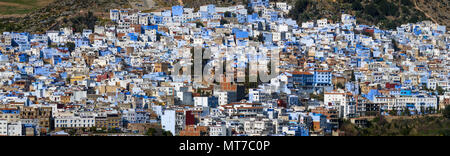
12 16
13 4
390 118
418 8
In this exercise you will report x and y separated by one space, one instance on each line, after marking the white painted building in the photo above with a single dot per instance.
168 121
412 102
205 101
256 95
322 23
218 130
15 129
341 101
226 97
3 128
71 120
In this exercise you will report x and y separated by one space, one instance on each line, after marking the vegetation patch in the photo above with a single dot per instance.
408 126
388 14
20 7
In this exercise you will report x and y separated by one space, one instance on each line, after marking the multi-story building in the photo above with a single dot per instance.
419 103
3 127
73 120
323 77
343 102
108 122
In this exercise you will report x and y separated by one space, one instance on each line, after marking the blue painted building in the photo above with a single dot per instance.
177 10
81 42
303 78
322 78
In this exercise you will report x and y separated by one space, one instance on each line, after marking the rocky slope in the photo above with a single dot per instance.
62 13
384 13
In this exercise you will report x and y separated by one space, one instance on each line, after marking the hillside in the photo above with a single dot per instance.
79 14
404 126
437 10
59 13
197 3
384 13
15 8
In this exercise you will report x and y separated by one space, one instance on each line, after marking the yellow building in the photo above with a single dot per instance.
77 79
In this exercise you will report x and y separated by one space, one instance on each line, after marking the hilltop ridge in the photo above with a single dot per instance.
386 14
60 13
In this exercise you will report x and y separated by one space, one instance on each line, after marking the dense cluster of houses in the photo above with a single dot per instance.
118 77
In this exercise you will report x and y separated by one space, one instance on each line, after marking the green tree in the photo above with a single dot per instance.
393 112
372 10
158 37
167 133
339 85
70 46
72 132
260 38
223 21
407 112
199 24
353 78
299 8
85 21
93 129
387 8
395 44
406 2
446 112
440 90
151 132
227 14
356 5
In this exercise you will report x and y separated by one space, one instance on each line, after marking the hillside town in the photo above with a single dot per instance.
120 78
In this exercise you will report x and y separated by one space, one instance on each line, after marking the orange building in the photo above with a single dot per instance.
193 130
